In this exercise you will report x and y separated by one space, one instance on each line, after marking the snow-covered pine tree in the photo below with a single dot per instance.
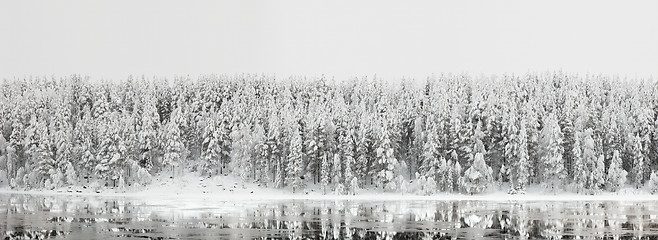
616 174
110 150
522 166
444 176
512 147
242 152
294 168
579 166
147 132
590 160
173 143
599 175
387 161
46 165
324 175
211 146
429 154
260 156
637 161
534 149
457 174
314 145
363 154
83 149
62 140
339 188
347 149
552 150
477 177
274 147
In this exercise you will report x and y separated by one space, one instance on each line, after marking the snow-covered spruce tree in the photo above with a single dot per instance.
534 148
46 165
616 174
512 146
551 157
294 168
147 132
364 158
593 170
339 188
314 142
429 156
580 172
110 154
274 145
173 144
63 143
637 161
478 176
324 175
261 155
83 148
242 152
598 177
387 161
444 174
522 166
211 145
347 149
457 174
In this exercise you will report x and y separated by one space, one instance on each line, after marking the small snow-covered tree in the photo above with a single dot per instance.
653 183
616 174
477 178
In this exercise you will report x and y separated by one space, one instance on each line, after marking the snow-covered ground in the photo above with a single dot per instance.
191 187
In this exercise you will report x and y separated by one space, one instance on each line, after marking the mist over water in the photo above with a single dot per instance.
75 217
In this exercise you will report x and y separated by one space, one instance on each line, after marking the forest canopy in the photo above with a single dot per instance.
450 133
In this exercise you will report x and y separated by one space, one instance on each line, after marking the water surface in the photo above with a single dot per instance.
76 217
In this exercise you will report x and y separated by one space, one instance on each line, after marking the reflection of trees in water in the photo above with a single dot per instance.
23 215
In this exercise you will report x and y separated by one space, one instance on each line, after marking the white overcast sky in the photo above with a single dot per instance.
112 39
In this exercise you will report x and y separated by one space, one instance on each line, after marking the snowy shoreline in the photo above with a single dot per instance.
191 188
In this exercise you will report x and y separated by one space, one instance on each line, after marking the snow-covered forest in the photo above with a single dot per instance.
450 133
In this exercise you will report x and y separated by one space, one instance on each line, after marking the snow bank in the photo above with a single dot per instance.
193 188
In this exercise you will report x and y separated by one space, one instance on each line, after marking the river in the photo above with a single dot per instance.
24 216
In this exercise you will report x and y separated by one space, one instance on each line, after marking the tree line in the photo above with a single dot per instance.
449 133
